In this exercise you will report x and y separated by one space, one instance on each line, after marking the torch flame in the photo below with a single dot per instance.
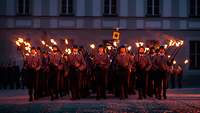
68 51
109 47
174 62
53 41
20 40
17 43
43 42
139 44
129 48
51 48
146 49
186 61
66 41
115 43
92 46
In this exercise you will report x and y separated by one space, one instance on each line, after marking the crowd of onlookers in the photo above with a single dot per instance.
11 77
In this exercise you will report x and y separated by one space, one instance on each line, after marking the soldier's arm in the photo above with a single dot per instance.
83 64
149 64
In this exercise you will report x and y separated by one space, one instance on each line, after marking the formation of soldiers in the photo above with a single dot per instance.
80 74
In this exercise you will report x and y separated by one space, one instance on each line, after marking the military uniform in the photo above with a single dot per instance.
124 64
161 62
45 74
33 65
179 75
55 59
101 67
152 75
142 65
76 65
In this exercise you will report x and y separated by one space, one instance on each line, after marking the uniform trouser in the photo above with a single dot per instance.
179 81
172 80
31 78
44 83
74 75
151 82
84 84
60 83
123 80
53 81
100 82
132 83
141 83
162 84
66 85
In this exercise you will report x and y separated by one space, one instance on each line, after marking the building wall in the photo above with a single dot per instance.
88 19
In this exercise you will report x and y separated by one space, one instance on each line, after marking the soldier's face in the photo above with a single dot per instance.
33 51
45 55
123 50
152 51
100 50
141 50
55 49
75 50
162 51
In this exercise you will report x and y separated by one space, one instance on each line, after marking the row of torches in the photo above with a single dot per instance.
172 43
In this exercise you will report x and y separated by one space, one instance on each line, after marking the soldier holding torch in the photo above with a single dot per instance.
142 65
101 62
76 65
124 63
55 64
162 63
33 65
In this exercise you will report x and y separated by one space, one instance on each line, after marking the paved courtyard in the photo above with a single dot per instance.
179 101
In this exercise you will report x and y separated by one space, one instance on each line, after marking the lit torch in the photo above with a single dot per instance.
129 48
139 44
186 61
146 50
43 42
115 43
109 47
92 46
66 42
53 42
17 43
20 40
68 51
174 62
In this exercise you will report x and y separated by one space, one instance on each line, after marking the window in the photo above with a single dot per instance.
66 7
110 7
194 8
23 7
194 55
153 8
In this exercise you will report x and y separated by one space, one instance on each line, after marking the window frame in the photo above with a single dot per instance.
196 8
24 13
110 6
194 56
67 8
153 9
